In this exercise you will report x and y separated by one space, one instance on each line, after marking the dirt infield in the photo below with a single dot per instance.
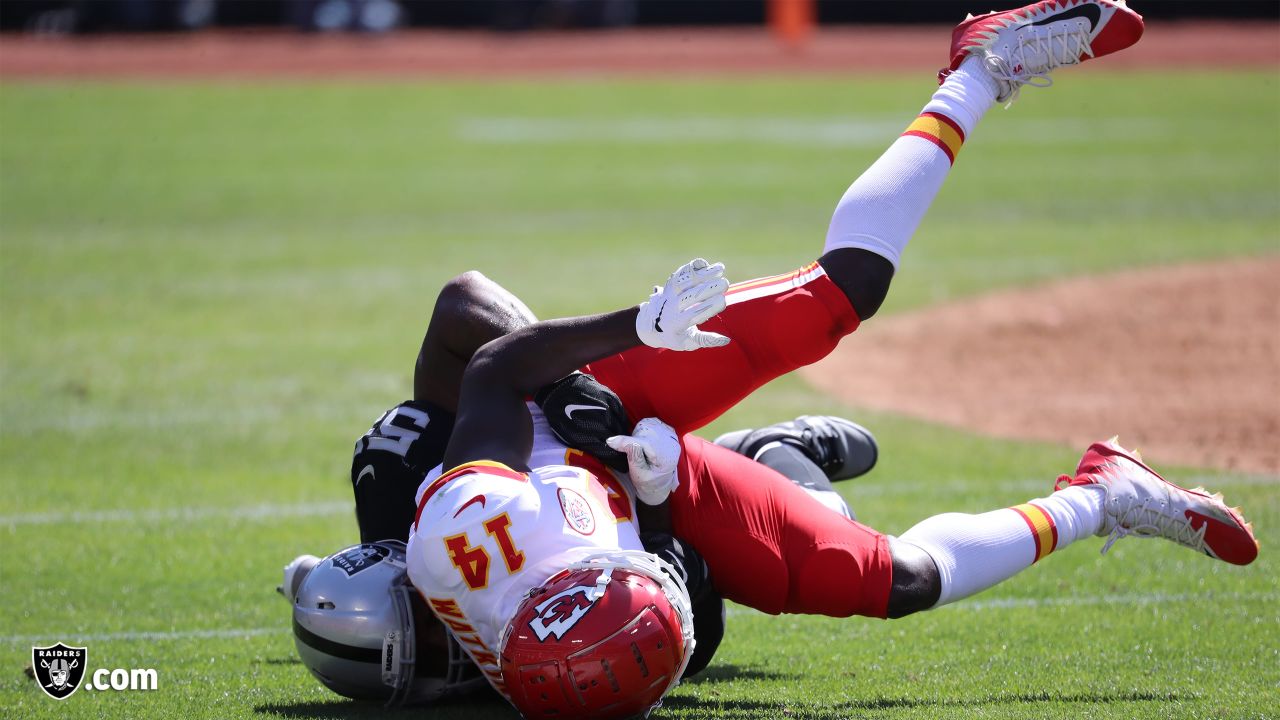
1183 362
245 55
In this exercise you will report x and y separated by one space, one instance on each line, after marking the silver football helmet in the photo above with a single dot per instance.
359 629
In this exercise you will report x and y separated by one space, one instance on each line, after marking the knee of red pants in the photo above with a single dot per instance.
840 579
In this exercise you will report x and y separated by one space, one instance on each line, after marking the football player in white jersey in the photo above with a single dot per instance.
511 513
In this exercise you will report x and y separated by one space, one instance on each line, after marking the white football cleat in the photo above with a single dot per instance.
1021 47
1141 503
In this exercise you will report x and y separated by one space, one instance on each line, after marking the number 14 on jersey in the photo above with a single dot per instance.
473 560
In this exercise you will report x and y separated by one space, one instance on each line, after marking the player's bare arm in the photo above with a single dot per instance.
470 311
493 421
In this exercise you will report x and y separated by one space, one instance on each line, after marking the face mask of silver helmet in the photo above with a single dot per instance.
361 630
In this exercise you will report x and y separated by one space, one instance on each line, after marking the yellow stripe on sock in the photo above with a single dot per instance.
938 130
1042 528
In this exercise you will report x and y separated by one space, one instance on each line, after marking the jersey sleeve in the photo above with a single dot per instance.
389 463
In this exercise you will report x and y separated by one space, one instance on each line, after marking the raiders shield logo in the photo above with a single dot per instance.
360 557
59 669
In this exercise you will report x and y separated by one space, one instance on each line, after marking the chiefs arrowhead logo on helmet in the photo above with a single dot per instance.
598 642
560 612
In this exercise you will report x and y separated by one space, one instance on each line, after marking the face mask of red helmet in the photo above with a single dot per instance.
606 638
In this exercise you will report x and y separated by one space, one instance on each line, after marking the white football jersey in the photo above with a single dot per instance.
487 535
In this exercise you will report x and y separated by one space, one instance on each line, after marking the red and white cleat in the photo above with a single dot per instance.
1141 503
1021 47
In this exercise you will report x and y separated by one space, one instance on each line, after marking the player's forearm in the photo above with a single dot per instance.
493 423
539 354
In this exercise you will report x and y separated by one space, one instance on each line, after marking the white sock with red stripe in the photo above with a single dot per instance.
975 552
882 208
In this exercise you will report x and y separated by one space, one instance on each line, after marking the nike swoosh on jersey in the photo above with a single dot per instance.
1092 12
369 470
569 409
469 503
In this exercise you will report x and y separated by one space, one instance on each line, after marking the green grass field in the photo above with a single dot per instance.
209 291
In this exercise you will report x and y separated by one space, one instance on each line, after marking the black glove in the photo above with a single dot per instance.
583 414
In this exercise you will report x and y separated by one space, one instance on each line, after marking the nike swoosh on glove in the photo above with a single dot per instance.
584 414
693 294
653 452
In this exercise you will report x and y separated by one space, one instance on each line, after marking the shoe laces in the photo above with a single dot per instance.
1064 45
1150 517
823 448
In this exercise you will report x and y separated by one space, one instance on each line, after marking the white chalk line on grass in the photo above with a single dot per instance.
1127 599
1131 599
265 511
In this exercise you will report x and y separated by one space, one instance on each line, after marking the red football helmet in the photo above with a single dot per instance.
605 638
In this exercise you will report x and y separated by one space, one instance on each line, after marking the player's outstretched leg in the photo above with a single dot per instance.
992 56
1112 493
787 321
811 451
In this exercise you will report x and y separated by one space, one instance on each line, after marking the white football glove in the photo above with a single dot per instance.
692 295
653 452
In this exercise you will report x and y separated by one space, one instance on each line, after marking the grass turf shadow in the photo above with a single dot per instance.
756 710
726 673
481 709
478 708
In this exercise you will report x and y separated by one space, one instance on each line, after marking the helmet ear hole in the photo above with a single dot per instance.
326 605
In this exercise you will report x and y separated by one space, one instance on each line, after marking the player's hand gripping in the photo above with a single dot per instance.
653 452
692 295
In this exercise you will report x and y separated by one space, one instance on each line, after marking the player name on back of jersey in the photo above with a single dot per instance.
467 635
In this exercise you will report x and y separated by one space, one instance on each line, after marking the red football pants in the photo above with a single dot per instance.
776 324
769 545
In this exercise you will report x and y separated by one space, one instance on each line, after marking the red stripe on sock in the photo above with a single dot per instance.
944 119
935 141
1035 534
